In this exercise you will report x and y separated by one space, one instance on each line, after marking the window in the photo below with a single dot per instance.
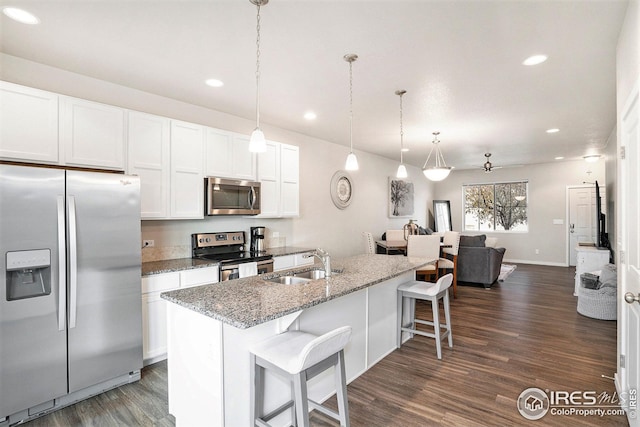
497 207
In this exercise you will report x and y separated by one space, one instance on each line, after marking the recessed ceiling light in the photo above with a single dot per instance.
405 149
535 60
310 115
214 82
591 158
21 15
559 158
553 130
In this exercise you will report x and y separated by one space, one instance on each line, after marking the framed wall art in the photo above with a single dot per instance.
400 198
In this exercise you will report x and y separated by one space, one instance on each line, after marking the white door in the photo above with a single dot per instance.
582 225
628 243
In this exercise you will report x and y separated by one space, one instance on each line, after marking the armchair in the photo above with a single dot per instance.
478 263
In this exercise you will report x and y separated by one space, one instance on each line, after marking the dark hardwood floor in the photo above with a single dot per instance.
523 332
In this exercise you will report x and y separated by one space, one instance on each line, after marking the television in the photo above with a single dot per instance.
602 237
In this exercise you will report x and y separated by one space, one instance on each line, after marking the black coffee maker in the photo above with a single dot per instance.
257 239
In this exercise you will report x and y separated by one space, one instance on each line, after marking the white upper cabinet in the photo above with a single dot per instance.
148 140
28 124
269 177
187 178
92 134
244 161
290 180
227 155
278 173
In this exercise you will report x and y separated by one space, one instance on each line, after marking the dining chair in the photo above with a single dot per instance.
425 246
395 236
449 260
369 244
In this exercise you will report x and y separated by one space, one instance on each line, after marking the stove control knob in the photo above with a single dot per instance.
208 239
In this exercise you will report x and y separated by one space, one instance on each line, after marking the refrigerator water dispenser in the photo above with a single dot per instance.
28 274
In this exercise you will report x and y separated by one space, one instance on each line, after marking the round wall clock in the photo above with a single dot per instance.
341 189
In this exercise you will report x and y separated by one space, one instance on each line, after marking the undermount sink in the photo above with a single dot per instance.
311 274
298 278
289 280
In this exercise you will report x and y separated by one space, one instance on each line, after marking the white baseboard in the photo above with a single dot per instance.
526 261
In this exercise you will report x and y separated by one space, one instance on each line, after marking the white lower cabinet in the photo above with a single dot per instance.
199 276
289 261
154 315
154 308
154 328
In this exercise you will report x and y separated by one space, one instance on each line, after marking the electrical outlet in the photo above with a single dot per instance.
148 243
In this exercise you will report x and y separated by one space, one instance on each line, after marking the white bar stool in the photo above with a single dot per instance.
300 356
417 290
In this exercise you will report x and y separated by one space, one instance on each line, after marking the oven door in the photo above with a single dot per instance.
232 197
230 272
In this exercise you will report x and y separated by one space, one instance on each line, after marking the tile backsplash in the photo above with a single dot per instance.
168 252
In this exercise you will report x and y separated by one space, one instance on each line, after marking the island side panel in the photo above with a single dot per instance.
195 367
382 318
349 310
237 368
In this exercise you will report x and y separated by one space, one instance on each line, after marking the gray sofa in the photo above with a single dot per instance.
478 263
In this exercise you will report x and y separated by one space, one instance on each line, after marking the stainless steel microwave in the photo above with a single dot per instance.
231 197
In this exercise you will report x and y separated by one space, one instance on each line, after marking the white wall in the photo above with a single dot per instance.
547 201
628 54
320 223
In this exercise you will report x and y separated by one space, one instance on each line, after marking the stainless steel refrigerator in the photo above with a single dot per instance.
70 297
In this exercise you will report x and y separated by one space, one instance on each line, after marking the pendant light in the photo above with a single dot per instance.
440 171
257 142
352 161
402 169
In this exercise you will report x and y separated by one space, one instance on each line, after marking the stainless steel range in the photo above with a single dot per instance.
229 249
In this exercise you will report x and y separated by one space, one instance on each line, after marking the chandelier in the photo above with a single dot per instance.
440 170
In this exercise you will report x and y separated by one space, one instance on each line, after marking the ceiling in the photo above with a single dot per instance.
459 61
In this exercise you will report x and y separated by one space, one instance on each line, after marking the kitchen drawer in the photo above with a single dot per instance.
283 262
160 282
301 260
199 276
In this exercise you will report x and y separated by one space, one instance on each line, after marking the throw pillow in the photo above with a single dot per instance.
609 276
473 241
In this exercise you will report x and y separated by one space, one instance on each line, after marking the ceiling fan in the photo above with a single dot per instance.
488 166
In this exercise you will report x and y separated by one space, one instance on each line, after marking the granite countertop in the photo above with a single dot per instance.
173 265
247 302
287 250
179 264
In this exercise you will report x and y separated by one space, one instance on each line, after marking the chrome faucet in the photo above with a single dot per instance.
325 258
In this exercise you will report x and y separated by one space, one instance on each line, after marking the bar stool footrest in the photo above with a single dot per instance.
324 410
276 412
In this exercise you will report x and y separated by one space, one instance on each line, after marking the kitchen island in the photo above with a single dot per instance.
211 328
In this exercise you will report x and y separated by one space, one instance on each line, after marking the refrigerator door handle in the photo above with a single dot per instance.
73 263
62 268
